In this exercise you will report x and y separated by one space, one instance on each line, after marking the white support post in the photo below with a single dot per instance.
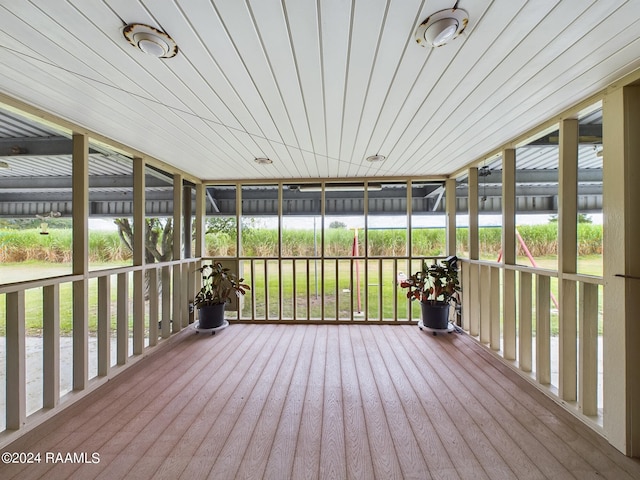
365 260
621 197
509 252
139 227
567 258
450 207
80 199
474 242
474 253
200 251
201 214
178 308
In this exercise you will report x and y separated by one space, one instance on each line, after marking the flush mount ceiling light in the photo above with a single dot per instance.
376 158
263 161
150 40
442 27
339 187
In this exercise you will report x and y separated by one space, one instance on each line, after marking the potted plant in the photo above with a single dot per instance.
436 286
219 285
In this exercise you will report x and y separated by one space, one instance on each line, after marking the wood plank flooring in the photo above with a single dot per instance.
320 401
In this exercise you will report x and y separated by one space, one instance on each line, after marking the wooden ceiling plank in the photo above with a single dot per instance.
365 40
274 34
446 69
335 21
560 88
396 64
242 30
302 19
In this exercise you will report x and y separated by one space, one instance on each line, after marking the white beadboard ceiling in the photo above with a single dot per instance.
315 85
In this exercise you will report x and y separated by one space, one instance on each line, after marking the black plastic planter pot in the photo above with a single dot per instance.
435 315
211 316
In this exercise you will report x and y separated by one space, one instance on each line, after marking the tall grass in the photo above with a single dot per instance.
105 247
24 245
541 240
57 246
589 239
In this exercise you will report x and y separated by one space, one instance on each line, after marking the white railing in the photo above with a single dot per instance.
509 309
326 289
520 314
116 317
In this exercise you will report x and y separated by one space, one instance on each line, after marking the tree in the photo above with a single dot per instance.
158 239
337 224
158 243
221 225
582 218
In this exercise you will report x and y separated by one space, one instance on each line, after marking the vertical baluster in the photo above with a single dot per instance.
104 325
166 302
525 324
543 330
380 290
51 345
396 285
588 397
122 320
308 290
474 299
466 294
176 288
494 293
138 312
16 363
266 289
152 278
485 304
294 273
509 315
185 279
337 287
254 292
568 338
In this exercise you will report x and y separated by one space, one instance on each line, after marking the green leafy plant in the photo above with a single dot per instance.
434 283
219 285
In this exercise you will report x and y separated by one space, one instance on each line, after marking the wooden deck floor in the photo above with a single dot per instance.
330 402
